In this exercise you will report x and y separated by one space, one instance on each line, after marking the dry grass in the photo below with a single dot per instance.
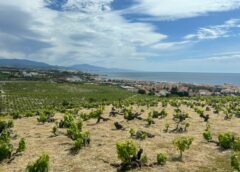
201 156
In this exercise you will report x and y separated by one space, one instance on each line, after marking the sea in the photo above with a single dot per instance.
180 77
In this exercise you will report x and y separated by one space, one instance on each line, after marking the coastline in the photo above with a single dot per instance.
165 88
216 79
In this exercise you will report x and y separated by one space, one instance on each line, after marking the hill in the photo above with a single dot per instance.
23 63
95 69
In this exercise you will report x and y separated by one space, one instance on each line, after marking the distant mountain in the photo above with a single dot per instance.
95 69
23 63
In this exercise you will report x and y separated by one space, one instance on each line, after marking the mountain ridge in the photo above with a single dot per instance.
30 64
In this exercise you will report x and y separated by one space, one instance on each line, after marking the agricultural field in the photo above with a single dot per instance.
26 96
102 128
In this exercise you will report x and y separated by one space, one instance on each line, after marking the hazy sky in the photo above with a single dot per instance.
153 35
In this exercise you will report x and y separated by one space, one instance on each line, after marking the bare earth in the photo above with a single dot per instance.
102 150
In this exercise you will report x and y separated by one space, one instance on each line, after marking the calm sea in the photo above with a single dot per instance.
197 78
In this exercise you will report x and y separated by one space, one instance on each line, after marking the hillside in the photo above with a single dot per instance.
23 63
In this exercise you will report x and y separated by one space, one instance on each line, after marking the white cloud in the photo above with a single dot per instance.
91 6
89 31
224 57
177 9
213 32
170 45
86 31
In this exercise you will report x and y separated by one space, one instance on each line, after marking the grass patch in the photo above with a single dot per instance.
221 163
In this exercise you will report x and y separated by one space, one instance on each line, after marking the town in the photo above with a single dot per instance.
142 87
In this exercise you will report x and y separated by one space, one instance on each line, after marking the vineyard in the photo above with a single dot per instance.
84 127
32 96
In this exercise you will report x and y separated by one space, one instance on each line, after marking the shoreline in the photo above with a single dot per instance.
165 88
159 78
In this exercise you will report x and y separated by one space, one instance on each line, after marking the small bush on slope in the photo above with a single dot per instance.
126 150
21 146
40 165
183 143
207 135
82 140
5 150
235 161
130 157
236 144
226 140
161 159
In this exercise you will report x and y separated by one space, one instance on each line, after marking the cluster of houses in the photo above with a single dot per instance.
182 89
46 75
142 87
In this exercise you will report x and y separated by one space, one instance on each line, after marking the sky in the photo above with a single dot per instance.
143 35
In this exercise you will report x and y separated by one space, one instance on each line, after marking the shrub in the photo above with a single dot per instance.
208 127
16 115
150 120
73 131
49 113
141 91
235 161
155 114
78 144
164 104
126 150
54 130
141 135
187 125
85 116
65 103
42 118
80 124
163 114
4 125
180 116
132 132
144 159
68 120
21 145
128 114
161 159
29 114
10 124
5 150
97 113
167 125
40 165
226 140
5 136
183 143
236 144
83 139
207 135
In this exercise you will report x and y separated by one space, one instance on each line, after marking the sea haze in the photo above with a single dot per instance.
197 78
